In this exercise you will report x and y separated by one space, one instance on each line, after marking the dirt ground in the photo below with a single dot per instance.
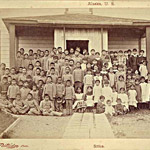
132 125
5 121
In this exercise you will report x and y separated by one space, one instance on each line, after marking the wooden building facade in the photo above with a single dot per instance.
91 31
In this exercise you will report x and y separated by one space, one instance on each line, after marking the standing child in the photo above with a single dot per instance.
144 92
19 60
97 92
124 98
132 98
13 90
114 96
4 85
88 80
35 93
89 99
111 77
30 70
26 61
79 105
120 84
24 91
143 69
69 97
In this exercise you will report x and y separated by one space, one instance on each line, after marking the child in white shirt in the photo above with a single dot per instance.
109 110
143 69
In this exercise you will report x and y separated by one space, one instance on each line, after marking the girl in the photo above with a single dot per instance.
143 69
79 104
132 98
89 99
124 98
120 84
111 77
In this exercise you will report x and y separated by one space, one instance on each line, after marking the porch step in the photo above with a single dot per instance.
88 125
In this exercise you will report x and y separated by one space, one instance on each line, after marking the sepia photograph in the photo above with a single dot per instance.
74 73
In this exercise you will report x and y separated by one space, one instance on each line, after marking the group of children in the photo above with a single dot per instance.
49 82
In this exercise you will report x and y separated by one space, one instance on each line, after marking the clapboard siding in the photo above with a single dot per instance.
36 43
122 41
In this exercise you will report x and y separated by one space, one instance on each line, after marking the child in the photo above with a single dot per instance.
143 85
30 70
35 93
50 88
114 96
60 89
13 74
120 109
134 60
13 90
32 105
98 77
120 84
42 76
88 80
40 86
107 91
111 77
100 108
69 97
67 76
84 63
37 75
78 75
97 92
143 69
6 73
124 98
109 110
23 76
19 105
2 70
47 107
89 99
6 105
4 85
120 72
132 98
26 61
53 75
139 92
79 105
24 91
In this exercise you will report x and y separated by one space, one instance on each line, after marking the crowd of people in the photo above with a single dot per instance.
49 82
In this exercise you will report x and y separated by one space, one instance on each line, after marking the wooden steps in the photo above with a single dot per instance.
88 125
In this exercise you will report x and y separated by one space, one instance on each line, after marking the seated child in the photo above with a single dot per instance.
100 108
79 105
6 105
47 107
32 104
19 105
120 109
109 110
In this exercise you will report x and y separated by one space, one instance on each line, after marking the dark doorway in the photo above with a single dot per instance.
83 44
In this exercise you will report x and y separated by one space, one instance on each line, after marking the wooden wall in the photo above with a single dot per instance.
35 38
122 39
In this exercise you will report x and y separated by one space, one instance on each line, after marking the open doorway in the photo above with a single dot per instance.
83 44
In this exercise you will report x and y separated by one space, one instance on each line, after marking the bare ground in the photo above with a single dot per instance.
132 125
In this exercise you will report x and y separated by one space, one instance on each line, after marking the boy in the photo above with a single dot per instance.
32 105
23 76
45 58
24 91
92 56
47 108
78 75
134 60
6 105
4 86
37 76
26 61
60 89
19 105
69 96
13 90
19 60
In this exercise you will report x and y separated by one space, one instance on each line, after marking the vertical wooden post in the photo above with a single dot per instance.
139 43
0 48
12 43
101 39
148 47
64 30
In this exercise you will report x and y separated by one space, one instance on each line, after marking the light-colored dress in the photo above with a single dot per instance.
97 93
107 93
125 100
114 98
144 92
132 98
109 110
79 100
89 101
143 70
